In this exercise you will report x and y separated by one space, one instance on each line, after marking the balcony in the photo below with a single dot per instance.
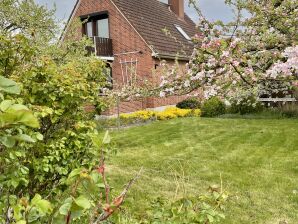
103 47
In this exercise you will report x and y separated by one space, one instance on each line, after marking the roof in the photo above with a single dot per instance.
150 18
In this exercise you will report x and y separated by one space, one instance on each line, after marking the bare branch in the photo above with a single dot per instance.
118 201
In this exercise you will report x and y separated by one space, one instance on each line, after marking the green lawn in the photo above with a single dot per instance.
257 159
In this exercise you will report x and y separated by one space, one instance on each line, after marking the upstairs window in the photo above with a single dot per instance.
102 28
89 29
96 25
182 32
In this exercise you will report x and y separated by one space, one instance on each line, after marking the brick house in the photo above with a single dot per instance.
130 35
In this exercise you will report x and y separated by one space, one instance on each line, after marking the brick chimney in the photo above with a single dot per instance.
177 6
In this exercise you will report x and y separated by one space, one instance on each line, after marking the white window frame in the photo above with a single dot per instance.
185 35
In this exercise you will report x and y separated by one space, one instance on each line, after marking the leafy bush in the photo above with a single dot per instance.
246 105
190 103
51 134
213 107
56 84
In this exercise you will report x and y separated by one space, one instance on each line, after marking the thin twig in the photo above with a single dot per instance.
118 201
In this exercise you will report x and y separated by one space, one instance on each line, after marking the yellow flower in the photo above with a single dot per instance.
168 113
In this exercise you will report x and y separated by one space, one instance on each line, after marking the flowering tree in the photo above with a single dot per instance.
257 54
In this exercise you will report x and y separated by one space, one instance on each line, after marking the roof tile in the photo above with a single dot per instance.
151 17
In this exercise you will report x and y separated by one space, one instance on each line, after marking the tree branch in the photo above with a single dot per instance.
117 202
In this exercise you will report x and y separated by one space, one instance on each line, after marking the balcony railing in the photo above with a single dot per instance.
102 46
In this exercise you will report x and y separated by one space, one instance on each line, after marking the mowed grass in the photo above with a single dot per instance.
257 160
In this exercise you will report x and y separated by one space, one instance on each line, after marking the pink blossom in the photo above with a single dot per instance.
235 63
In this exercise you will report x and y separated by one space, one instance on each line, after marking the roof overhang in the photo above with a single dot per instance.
170 56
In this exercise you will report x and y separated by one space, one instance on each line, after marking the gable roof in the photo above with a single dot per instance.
150 18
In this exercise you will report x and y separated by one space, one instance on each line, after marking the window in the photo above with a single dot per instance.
96 25
102 26
89 29
185 35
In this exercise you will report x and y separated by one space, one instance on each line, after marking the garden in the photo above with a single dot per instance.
221 156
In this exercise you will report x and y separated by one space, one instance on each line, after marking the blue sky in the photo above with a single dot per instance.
213 9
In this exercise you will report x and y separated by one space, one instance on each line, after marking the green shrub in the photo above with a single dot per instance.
190 103
246 105
213 107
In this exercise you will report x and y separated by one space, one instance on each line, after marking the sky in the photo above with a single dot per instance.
212 9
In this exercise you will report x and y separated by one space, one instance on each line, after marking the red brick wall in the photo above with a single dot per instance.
173 100
126 39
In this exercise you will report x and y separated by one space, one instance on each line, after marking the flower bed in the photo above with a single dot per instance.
144 116
174 112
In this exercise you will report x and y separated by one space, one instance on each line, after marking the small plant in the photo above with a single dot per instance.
190 103
213 107
203 209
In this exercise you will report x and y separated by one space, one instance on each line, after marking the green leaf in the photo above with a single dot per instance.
36 198
107 138
33 215
83 202
65 208
20 116
5 104
25 138
210 218
44 206
75 172
9 86
17 211
39 136
17 107
21 222
8 141
27 118
96 140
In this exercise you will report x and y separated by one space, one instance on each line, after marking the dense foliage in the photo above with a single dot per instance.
56 82
245 105
213 107
190 103
256 54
